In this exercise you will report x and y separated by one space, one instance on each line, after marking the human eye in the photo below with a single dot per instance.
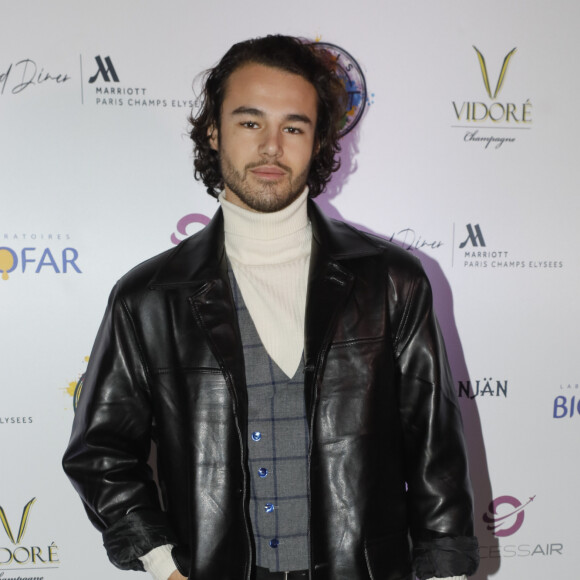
249 124
294 130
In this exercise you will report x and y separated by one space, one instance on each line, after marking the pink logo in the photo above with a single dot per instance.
185 222
505 515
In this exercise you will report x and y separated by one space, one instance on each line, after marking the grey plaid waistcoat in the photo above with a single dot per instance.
277 452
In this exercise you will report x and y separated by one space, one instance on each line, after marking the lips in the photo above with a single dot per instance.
268 172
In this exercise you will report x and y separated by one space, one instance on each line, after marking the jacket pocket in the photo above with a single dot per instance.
389 557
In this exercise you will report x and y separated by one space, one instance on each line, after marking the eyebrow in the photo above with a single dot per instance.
294 117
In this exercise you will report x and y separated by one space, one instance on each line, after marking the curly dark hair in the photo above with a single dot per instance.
297 56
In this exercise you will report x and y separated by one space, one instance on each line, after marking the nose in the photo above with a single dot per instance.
271 145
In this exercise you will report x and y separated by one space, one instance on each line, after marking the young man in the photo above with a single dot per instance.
289 368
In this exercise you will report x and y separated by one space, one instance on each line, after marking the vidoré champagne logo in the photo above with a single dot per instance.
20 554
501 74
508 113
23 522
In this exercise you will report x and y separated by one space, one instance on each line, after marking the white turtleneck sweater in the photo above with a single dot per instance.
270 256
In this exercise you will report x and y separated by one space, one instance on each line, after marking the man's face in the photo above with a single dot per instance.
266 137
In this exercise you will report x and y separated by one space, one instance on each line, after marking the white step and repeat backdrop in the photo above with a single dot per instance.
466 153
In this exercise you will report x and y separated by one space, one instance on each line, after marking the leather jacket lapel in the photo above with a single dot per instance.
199 265
215 313
334 245
328 287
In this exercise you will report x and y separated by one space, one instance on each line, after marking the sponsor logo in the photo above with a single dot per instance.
106 70
474 237
482 388
18 553
350 73
521 550
23 522
74 388
505 515
475 253
105 88
567 405
25 74
25 256
501 74
504 518
188 225
77 392
481 117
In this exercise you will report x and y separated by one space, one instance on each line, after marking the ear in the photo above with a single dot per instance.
212 134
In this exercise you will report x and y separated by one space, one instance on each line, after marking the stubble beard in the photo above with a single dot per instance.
265 196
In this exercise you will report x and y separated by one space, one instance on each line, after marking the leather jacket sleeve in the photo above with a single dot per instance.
440 499
107 456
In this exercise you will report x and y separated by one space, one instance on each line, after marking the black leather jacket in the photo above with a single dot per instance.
387 457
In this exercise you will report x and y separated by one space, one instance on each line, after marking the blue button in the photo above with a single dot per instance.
274 543
269 507
256 435
262 472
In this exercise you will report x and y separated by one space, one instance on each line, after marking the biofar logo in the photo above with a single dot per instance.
38 260
566 407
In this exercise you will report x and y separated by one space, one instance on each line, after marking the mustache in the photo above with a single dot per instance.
255 164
